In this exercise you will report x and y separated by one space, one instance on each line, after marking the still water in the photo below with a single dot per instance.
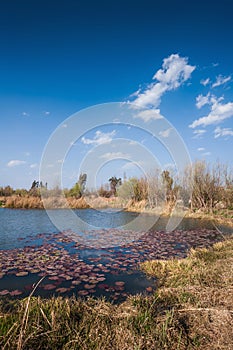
71 261
21 223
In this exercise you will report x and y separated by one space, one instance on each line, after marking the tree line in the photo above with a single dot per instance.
200 187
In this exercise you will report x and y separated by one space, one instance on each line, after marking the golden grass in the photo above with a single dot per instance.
31 202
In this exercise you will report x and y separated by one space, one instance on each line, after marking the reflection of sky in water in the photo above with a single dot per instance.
17 224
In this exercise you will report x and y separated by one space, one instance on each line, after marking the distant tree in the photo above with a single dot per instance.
75 191
104 192
140 190
82 182
155 189
7 191
207 186
21 192
34 190
171 189
35 184
114 182
168 182
126 190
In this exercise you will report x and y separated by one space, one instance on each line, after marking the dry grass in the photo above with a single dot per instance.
222 217
191 309
28 202
31 202
200 288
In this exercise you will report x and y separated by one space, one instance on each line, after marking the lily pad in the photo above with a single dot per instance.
49 286
89 286
62 290
21 273
83 292
120 283
16 292
4 292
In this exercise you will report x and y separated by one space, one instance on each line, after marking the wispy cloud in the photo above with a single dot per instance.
34 165
220 80
198 133
219 112
115 155
149 114
205 81
202 100
46 113
132 165
15 162
165 133
174 72
99 138
221 132
201 149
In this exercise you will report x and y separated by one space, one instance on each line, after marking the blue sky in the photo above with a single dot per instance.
59 57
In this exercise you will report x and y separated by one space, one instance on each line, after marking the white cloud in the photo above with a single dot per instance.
114 155
221 132
149 114
13 163
136 93
99 138
201 149
133 143
198 133
132 165
174 72
219 112
33 165
165 133
205 81
46 113
220 80
25 114
206 154
202 100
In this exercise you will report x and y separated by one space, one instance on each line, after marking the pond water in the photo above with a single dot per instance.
99 262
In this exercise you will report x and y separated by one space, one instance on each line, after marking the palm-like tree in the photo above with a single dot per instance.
114 182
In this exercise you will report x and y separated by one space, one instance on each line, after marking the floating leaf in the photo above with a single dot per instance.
21 273
120 283
4 292
89 286
16 292
83 292
62 290
49 286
